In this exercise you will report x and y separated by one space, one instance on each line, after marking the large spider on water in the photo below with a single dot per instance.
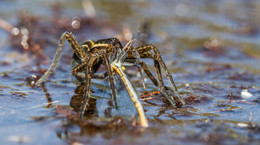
90 55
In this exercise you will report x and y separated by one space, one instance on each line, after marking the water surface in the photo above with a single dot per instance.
211 49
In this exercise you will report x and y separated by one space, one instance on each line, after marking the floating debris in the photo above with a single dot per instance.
19 139
246 94
242 124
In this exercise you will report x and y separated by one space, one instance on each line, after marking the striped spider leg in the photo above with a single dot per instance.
150 51
87 59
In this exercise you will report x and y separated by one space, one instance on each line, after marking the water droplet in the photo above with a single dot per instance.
75 24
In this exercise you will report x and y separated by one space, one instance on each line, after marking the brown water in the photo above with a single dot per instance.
211 48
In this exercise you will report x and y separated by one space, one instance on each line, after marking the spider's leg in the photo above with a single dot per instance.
148 73
136 55
142 78
74 45
81 76
131 61
111 80
161 83
158 63
80 68
87 45
135 59
139 69
144 53
132 58
114 41
88 72
159 59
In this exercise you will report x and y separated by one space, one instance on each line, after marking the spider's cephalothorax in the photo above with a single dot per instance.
90 55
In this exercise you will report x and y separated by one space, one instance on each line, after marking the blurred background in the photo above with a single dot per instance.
212 49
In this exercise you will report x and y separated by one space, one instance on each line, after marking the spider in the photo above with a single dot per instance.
90 55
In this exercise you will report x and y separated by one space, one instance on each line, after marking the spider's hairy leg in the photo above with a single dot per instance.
133 62
142 78
87 45
88 73
113 41
81 76
144 53
79 68
159 59
132 58
148 73
111 80
74 45
158 63
161 83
